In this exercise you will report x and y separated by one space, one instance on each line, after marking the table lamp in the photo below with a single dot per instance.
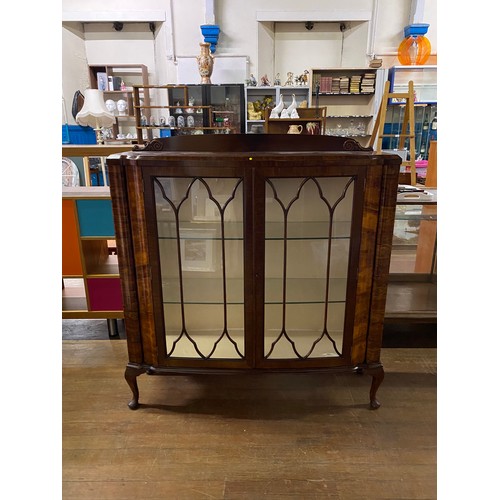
95 114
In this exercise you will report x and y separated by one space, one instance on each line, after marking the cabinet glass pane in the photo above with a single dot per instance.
308 224
415 239
200 241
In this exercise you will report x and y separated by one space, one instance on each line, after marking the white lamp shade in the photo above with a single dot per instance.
94 112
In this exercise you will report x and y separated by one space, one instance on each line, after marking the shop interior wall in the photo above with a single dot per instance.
269 47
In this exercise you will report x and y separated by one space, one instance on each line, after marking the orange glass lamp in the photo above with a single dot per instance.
415 49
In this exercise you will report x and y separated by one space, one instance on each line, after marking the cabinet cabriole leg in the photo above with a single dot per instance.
378 376
131 374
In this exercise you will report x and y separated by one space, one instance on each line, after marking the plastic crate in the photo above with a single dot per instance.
80 135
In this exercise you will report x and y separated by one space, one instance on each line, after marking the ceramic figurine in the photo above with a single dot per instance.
284 113
264 81
111 106
289 79
275 112
191 103
312 128
121 105
303 78
277 80
252 82
292 109
252 113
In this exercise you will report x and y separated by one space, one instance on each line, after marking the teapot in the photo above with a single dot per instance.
295 129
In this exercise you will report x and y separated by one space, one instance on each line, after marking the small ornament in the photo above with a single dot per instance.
264 81
289 79
251 82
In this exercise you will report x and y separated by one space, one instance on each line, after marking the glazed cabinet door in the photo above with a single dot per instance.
197 240
309 256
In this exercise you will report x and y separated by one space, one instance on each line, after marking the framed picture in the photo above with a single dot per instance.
197 249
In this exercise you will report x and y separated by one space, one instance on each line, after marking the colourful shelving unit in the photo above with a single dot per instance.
91 280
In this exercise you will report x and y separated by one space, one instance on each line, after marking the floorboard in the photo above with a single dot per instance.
277 436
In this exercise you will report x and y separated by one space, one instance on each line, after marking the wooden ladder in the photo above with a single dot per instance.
407 126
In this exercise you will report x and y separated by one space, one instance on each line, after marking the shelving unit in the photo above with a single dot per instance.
171 113
226 101
90 275
314 116
351 97
109 78
253 94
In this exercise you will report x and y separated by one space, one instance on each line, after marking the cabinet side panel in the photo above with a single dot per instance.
125 252
366 264
382 261
71 258
135 193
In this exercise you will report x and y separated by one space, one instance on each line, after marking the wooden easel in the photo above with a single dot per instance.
407 126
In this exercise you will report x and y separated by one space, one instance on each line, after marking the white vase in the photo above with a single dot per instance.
275 112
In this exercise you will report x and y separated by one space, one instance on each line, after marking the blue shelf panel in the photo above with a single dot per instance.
95 218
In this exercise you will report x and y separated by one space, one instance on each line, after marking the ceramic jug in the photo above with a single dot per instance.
295 129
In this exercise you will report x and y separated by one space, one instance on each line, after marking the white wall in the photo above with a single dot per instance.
277 43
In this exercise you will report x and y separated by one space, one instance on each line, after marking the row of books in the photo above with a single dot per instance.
355 84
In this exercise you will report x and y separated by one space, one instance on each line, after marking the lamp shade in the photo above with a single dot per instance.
94 112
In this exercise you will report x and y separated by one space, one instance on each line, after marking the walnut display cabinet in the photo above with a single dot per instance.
253 252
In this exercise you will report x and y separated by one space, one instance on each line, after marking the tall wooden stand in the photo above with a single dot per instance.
407 127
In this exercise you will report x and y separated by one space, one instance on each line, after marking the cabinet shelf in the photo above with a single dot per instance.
209 291
315 116
313 230
326 94
340 117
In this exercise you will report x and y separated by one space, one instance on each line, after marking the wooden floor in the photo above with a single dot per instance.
277 436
